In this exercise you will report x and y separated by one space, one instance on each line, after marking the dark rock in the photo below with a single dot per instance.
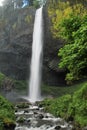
70 119
28 120
58 127
16 42
85 128
16 110
40 116
35 113
7 84
46 116
73 128
21 120
53 75
22 105
10 126
26 111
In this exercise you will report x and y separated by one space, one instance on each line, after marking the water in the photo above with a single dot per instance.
36 60
36 119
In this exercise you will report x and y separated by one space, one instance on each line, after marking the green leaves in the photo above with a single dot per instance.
74 52
72 108
7 115
69 22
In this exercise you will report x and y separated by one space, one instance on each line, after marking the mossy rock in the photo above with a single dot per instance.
21 120
2 77
23 105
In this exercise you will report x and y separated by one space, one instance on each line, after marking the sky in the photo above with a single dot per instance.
1 2
25 2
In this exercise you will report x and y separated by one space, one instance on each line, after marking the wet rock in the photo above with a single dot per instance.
70 118
41 116
21 120
35 113
16 110
38 120
73 128
46 116
10 126
40 105
85 128
22 105
58 127
7 84
28 120
26 111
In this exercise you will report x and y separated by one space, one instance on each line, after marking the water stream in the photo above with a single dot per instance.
36 60
34 118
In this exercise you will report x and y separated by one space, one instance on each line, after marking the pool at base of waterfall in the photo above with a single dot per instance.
34 118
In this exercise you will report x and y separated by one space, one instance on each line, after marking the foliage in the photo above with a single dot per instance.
2 77
59 106
73 54
28 18
69 22
78 107
20 84
62 10
57 91
14 26
21 119
69 107
23 105
7 115
36 4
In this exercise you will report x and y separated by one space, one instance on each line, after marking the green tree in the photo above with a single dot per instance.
74 53
36 3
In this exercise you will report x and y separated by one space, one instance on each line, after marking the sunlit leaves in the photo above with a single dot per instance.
74 53
61 11
69 22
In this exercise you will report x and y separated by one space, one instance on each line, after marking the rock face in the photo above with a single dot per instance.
15 46
52 75
16 42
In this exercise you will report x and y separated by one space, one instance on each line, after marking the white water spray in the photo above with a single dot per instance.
36 60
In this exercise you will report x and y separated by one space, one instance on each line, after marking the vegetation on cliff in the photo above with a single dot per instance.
70 107
69 22
7 116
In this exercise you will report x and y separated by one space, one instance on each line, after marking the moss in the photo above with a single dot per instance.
78 107
69 107
60 91
59 106
7 115
14 26
21 119
20 84
23 105
2 77
28 18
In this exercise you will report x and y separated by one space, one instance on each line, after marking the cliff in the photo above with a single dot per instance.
52 75
16 42
16 31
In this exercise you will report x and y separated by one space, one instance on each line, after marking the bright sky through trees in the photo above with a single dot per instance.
1 2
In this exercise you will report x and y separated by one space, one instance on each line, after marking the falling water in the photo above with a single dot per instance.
36 60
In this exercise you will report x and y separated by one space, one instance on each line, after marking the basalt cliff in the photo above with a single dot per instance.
16 30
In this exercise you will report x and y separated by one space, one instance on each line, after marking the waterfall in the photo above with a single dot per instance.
36 59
